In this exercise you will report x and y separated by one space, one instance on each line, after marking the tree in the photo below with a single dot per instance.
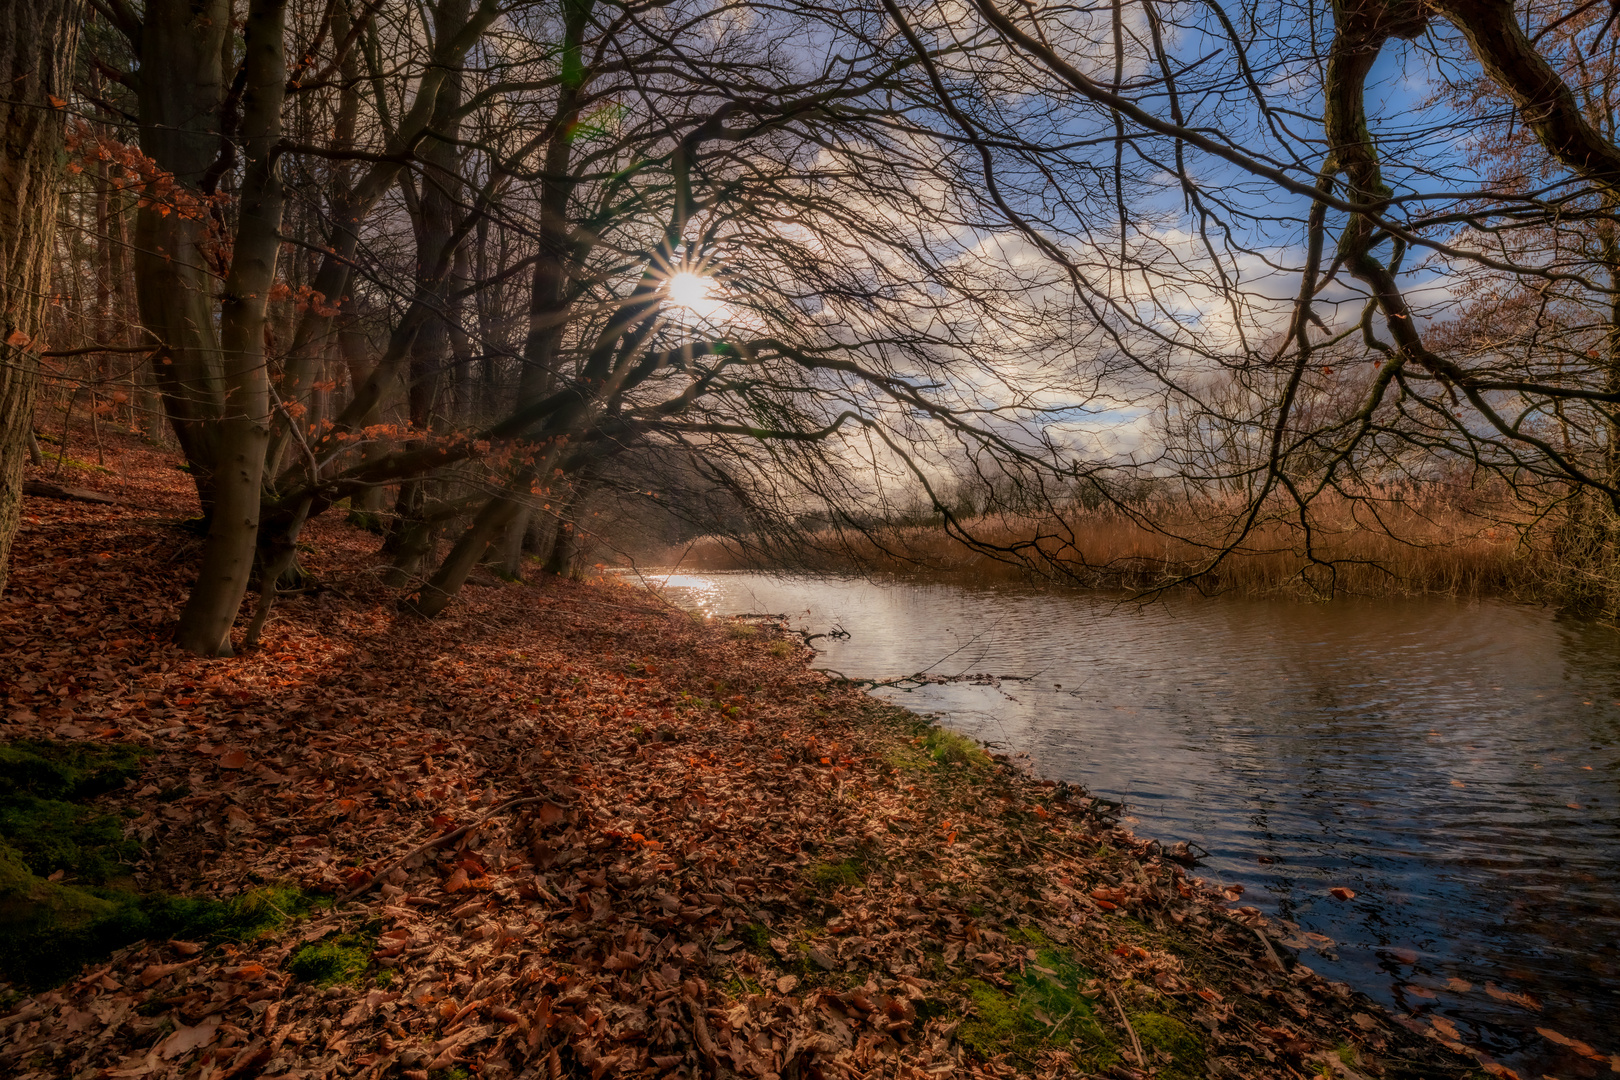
37 39
1050 249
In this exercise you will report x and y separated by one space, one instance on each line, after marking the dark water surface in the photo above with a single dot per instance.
1456 764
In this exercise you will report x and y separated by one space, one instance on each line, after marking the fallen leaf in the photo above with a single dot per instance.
1339 892
1574 1044
185 948
786 983
153 972
1459 985
186 1039
233 759
1512 998
457 881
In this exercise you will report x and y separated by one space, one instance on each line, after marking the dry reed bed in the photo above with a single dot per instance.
1368 548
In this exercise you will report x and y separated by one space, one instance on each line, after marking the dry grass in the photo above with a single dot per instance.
1384 544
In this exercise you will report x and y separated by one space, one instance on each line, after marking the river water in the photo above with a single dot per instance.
1456 764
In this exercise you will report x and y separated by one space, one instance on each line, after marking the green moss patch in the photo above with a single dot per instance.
341 959
50 929
1165 1033
953 748
828 876
65 770
755 936
56 929
1043 1007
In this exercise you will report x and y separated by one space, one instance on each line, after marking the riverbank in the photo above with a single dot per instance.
565 830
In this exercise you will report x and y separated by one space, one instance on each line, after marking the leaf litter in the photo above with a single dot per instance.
561 831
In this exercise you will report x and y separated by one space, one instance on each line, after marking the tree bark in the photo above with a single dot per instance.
244 429
37 40
182 91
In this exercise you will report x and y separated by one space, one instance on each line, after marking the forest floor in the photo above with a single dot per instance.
565 830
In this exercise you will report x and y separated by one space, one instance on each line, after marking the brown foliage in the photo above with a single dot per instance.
657 903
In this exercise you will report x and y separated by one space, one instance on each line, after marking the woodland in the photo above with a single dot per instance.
320 760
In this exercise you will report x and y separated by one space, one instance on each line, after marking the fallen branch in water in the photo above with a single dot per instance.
923 678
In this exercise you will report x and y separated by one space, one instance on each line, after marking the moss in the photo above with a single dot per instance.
48 835
953 748
1043 1008
756 937
334 960
834 875
56 929
742 632
1160 1032
65 770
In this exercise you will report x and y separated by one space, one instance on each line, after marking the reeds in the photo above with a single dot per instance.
1379 543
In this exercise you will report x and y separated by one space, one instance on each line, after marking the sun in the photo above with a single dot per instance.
692 292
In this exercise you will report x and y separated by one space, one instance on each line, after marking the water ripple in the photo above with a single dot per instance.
1456 764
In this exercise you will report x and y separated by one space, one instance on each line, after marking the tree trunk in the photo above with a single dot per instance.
37 39
205 625
565 539
182 89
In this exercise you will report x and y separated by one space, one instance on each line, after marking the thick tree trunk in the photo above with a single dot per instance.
37 39
244 429
182 89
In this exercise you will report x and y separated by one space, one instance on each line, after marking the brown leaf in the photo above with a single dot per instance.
153 972
1446 1028
1524 1001
1574 1044
186 1039
1339 892
233 759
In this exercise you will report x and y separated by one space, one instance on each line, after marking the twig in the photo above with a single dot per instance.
1267 943
1136 1043
438 841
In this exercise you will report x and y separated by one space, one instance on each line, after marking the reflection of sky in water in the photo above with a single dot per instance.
1423 753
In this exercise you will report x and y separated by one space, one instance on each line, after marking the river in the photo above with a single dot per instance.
1455 764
